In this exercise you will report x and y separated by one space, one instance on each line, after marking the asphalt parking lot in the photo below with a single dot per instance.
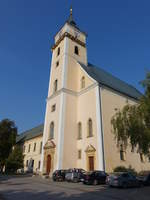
37 188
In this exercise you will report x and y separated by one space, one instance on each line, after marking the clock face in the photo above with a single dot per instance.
77 34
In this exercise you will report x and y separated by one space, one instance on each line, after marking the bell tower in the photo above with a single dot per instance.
69 48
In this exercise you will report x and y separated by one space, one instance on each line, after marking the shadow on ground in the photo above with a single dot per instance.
70 192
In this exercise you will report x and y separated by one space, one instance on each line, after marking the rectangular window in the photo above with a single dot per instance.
41 147
34 149
141 157
55 85
122 155
58 51
29 147
79 154
76 50
57 63
39 163
53 108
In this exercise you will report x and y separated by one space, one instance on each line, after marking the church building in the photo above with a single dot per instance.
82 98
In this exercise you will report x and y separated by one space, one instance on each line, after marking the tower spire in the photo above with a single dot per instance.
70 20
71 10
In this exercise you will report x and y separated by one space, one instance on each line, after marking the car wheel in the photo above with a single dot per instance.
140 184
75 180
124 185
95 182
111 186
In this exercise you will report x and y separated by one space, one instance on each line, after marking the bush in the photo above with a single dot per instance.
125 169
144 173
15 160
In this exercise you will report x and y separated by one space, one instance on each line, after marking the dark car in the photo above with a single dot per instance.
75 175
59 175
95 177
124 180
145 180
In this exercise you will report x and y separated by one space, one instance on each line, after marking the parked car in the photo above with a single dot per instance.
124 180
95 177
20 171
75 175
59 175
145 179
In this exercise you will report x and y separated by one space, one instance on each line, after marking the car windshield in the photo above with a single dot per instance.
83 171
89 173
117 174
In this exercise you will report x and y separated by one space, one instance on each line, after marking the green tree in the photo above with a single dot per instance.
125 169
15 160
145 100
131 125
8 132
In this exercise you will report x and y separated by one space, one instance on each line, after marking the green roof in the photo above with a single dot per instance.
110 81
29 134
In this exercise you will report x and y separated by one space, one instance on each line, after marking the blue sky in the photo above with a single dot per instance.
118 41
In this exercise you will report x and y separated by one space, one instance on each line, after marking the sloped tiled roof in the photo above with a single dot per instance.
29 134
108 80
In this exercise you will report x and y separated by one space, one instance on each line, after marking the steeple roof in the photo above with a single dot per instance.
70 19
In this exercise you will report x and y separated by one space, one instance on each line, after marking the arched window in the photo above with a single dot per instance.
58 51
52 130
90 128
32 163
79 130
76 50
82 82
55 85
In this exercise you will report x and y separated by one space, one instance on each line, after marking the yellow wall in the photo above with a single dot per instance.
80 105
110 101
35 155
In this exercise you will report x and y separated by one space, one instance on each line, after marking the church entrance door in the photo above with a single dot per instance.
91 163
48 169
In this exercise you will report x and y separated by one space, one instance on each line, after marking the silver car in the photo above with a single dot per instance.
75 175
123 179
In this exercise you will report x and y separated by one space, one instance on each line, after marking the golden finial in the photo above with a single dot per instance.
71 10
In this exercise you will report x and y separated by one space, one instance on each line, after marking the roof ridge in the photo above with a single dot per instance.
30 129
115 77
107 79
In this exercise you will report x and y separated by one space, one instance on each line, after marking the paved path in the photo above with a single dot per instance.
37 188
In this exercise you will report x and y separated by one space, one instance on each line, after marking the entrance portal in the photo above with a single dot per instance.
48 169
91 163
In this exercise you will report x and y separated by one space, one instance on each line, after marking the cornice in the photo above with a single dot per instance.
66 34
71 92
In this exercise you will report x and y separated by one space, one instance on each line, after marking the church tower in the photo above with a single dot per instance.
59 138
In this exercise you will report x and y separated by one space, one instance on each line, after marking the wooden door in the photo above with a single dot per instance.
48 164
91 163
